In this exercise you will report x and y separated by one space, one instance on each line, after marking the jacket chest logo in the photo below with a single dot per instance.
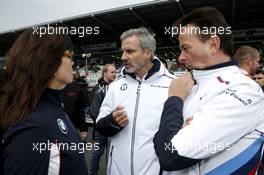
123 87
220 79
159 86
62 125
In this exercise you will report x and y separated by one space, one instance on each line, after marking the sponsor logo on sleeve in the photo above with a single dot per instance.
233 93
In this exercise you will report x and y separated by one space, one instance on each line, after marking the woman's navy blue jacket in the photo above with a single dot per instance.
45 142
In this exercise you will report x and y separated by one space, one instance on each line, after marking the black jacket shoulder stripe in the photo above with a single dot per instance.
171 77
121 77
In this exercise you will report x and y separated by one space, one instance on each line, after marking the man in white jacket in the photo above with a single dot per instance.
219 129
131 111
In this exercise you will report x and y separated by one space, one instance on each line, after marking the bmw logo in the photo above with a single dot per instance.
123 87
62 126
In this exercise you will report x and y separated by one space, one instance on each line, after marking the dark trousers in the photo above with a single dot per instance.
97 153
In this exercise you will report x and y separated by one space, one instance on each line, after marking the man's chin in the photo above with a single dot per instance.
189 67
129 70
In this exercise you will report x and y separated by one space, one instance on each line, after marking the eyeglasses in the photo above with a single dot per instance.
69 54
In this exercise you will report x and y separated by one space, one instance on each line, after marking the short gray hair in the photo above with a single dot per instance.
146 39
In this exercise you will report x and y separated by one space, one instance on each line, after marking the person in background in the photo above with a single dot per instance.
38 136
108 75
163 60
76 102
259 78
248 59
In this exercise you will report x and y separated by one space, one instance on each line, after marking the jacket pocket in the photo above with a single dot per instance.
110 160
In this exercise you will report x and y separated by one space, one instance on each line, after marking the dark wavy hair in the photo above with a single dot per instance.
31 63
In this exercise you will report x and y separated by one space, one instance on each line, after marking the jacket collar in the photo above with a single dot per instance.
203 74
53 96
103 82
154 69
229 63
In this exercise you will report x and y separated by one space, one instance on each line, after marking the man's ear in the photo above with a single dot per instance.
215 44
149 53
249 61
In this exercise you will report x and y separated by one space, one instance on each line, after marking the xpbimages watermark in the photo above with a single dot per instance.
80 147
211 147
103 88
189 29
81 31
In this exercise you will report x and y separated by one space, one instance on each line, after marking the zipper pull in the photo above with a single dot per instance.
139 86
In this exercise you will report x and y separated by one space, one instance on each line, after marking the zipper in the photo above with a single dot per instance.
134 128
111 157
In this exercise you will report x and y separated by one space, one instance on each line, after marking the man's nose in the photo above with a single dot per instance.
124 56
181 58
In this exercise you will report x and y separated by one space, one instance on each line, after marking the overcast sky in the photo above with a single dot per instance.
18 14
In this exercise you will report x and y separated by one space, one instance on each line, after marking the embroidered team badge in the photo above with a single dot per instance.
62 126
123 87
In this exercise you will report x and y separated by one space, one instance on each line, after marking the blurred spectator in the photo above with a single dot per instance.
99 91
163 60
259 78
248 59
80 80
76 102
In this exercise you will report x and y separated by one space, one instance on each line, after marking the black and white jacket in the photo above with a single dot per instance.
132 149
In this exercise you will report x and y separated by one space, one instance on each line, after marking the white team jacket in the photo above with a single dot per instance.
132 151
228 118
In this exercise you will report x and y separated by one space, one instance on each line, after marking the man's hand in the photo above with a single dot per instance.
182 86
83 134
120 117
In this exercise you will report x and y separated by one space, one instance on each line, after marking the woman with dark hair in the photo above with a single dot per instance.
39 138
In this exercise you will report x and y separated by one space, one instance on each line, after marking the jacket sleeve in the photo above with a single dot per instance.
96 104
171 123
238 111
104 123
106 126
28 151
92 93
